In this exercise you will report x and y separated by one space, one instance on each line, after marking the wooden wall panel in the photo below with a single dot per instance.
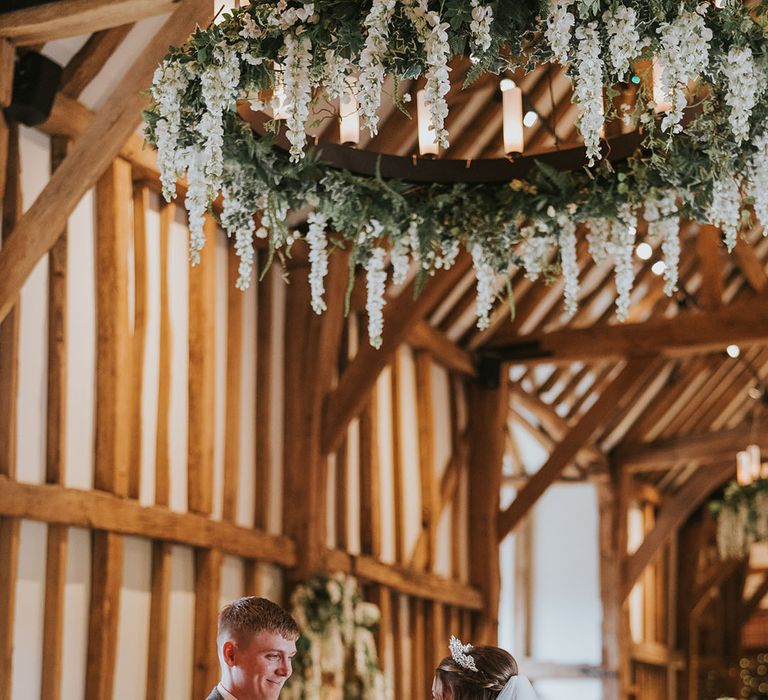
207 585
157 646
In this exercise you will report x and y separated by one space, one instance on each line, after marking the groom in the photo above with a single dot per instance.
256 643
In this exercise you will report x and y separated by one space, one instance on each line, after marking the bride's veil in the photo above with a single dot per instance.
517 688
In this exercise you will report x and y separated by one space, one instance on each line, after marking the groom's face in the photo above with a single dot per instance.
262 666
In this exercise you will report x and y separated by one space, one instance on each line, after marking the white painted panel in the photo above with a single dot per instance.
573 689
77 594
441 418
271 583
181 619
34 152
352 504
566 586
220 399
507 595
386 466
151 374
133 625
120 61
178 301
246 492
276 396
81 348
409 430
30 604
443 548
232 570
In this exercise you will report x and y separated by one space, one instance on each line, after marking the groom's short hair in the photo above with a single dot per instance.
245 617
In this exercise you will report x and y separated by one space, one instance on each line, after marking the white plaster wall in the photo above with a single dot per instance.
276 418
232 571
386 467
133 626
77 594
507 570
181 619
566 593
221 326
29 609
247 481
573 689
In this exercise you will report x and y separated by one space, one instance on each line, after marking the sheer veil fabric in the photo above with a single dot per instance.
517 688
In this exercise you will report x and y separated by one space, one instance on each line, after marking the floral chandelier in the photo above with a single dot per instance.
703 153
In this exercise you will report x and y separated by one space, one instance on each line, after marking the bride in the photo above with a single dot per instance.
479 673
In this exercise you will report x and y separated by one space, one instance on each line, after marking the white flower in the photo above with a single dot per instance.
664 223
298 92
559 27
536 251
168 85
588 88
400 261
744 84
683 56
624 39
569 262
376 278
480 30
237 220
196 202
318 258
250 29
757 179
431 32
485 282
724 210
371 61
623 247
599 239
335 73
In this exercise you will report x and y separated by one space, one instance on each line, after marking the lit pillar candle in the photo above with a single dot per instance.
743 471
349 125
427 140
512 113
754 461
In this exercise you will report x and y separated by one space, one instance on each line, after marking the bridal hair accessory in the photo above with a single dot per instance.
459 654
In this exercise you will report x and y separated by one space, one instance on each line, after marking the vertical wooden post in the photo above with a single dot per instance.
162 446
55 467
429 496
263 400
202 376
113 197
9 348
489 405
312 347
7 63
370 489
207 583
672 604
140 206
419 652
106 578
233 381
157 648
610 589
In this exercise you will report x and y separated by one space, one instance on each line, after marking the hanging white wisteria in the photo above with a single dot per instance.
742 518
707 163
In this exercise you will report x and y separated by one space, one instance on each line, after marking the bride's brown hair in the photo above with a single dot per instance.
494 668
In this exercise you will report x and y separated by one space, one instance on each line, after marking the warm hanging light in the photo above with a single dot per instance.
743 468
660 98
349 124
427 140
512 112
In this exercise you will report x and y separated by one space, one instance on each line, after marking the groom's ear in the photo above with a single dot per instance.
228 652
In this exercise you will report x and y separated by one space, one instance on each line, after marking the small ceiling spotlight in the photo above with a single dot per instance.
530 118
644 251
659 267
733 351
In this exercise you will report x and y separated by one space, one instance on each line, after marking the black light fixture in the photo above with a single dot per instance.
35 83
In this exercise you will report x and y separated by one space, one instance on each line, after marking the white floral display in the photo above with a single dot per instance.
683 56
338 656
742 518
711 166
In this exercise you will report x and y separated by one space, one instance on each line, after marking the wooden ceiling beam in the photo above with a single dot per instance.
99 144
348 399
447 353
58 20
578 436
690 332
86 64
672 515
699 446
751 266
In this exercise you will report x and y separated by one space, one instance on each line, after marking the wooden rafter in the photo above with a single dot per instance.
698 446
42 223
673 514
577 438
37 25
691 332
